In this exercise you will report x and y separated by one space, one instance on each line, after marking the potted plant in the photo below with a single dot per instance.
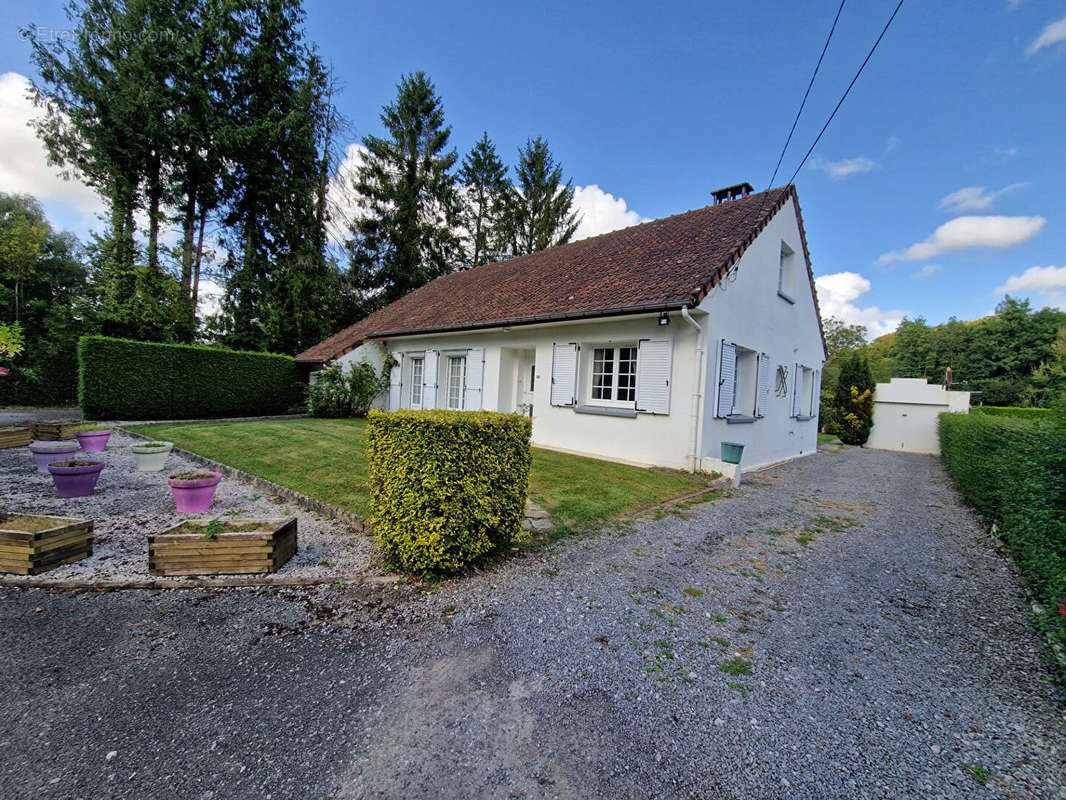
32 543
45 453
75 478
150 456
217 547
194 491
93 438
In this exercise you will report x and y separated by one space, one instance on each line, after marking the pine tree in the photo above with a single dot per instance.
406 236
485 190
541 213
853 403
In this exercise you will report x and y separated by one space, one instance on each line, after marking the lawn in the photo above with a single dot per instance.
325 459
825 438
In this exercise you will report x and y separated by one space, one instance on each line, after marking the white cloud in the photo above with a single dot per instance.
964 232
24 166
1047 282
837 294
846 167
344 206
601 212
975 198
928 271
209 298
1053 34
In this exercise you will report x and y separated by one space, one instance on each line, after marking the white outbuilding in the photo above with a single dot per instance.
906 411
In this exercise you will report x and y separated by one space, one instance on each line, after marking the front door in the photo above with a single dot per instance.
527 378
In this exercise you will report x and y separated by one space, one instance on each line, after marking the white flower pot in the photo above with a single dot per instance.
151 459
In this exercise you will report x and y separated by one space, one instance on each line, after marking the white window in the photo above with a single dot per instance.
743 383
786 277
614 375
417 365
456 381
804 393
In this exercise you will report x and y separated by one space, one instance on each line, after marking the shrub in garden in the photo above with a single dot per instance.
336 392
1013 471
447 488
124 379
1012 411
853 402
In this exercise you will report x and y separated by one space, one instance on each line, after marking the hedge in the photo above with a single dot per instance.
123 379
1013 471
1011 411
447 488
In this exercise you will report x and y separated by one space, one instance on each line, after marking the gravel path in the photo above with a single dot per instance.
879 643
128 505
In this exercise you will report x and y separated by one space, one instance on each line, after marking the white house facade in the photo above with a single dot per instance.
665 383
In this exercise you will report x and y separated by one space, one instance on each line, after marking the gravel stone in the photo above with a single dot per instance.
860 614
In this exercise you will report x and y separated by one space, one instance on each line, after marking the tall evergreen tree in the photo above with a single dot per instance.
486 190
541 213
853 403
406 235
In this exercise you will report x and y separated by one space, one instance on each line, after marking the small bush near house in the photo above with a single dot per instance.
447 488
1013 471
124 379
853 402
335 392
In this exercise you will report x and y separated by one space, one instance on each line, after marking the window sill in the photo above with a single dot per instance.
803 418
739 419
785 297
604 411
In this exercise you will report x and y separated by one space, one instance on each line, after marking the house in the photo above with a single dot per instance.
649 345
907 412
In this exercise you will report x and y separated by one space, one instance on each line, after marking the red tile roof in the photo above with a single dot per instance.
658 265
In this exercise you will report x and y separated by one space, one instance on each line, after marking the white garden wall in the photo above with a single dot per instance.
907 412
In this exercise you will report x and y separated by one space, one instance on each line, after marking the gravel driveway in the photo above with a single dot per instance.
876 645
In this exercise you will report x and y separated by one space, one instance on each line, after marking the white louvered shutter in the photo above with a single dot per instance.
816 392
727 378
396 383
797 387
430 369
762 404
654 362
475 370
564 374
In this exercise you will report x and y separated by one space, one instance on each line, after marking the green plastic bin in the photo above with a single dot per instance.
732 452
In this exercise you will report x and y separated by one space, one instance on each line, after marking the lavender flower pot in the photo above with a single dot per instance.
93 441
76 481
194 496
44 453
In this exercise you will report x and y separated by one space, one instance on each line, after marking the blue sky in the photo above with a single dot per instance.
650 106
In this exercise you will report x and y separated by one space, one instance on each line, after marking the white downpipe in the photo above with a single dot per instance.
697 395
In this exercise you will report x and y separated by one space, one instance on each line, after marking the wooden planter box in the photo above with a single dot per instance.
244 547
54 430
15 436
31 544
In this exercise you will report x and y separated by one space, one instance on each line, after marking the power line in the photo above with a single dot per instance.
803 103
844 96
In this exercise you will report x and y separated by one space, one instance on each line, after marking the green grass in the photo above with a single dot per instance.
825 438
325 459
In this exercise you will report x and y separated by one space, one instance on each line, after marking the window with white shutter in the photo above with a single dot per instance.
654 363
727 378
395 380
430 370
475 369
762 402
816 392
564 374
797 388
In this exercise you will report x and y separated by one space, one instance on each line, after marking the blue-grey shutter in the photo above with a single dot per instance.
396 382
654 362
762 403
564 374
727 378
797 387
816 389
430 368
475 370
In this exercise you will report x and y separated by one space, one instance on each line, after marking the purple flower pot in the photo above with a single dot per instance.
194 496
44 453
76 481
93 441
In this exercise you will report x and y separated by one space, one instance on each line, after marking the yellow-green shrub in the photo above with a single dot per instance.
447 488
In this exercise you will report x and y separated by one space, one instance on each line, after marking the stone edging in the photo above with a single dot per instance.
186 583
353 521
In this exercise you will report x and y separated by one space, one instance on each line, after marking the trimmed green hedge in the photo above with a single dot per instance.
447 488
1011 411
123 379
1013 472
